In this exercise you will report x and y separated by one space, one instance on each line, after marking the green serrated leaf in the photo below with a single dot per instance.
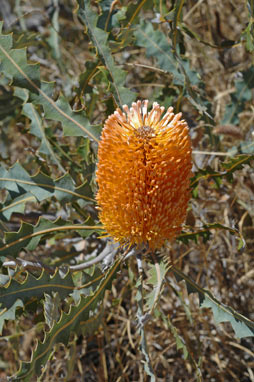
109 16
129 17
244 85
236 163
231 165
133 11
14 65
181 345
51 305
37 129
248 32
243 327
248 36
204 233
156 275
158 47
84 78
41 186
15 205
185 237
89 284
33 287
29 235
82 317
54 38
99 38
177 16
10 314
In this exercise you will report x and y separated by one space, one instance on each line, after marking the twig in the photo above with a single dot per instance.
146 67
142 319
30 265
108 251
211 153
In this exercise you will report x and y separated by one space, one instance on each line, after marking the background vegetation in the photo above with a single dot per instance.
64 68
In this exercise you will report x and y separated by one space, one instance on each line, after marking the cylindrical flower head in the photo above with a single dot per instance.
143 174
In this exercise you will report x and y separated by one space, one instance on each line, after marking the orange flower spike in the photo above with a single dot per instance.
143 174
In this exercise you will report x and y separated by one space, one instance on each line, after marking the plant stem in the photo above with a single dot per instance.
141 320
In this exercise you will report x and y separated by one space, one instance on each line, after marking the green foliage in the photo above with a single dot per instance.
243 327
29 236
182 345
158 47
82 318
99 38
33 287
37 129
24 188
248 33
244 85
9 314
156 277
205 234
230 166
27 77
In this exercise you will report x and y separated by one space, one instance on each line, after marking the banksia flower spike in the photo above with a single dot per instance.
143 174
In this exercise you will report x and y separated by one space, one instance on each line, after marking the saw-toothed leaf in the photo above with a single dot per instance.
15 205
230 166
9 314
181 344
236 163
157 46
37 129
99 38
33 287
156 276
14 65
207 173
205 233
243 327
244 85
129 19
81 318
29 235
41 186
51 306
248 35
85 77
89 283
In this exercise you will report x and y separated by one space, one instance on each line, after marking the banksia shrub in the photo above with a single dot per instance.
143 174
